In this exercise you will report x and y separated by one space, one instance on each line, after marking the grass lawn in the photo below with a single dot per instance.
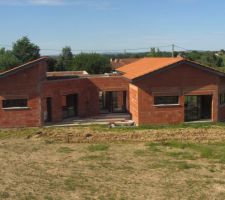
41 167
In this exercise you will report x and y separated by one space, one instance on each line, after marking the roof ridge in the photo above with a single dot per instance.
148 65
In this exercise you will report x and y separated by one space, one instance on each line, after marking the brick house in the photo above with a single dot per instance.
152 90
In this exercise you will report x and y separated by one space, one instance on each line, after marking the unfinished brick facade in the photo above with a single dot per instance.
54 96
180 81
24 82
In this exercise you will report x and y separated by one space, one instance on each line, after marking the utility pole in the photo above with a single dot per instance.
173 49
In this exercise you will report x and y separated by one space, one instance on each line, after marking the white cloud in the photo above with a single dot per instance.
46 2
98 4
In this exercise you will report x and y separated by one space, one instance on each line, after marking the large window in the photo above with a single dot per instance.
166 100
14 103
222 98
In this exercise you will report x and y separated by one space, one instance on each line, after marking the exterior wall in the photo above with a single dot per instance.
87 96
87 90
31 83
23 84
112 83
221 107
179 81
134 103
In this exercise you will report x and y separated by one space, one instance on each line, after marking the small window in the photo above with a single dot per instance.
166 100
222 98
14 103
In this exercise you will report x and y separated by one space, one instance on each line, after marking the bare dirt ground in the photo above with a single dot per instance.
98 163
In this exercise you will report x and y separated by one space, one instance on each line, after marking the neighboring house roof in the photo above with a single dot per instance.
147 66
21 67
116 63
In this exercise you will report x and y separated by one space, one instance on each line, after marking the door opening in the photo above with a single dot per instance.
71 106
49 109
113 102
198 107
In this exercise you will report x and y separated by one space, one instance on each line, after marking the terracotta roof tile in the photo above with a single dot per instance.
116 63
146 66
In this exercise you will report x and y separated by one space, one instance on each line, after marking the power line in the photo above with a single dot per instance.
125 50
181 48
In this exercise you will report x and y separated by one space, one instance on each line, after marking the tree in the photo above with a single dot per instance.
210 59
155 52
25 51
222 52
92 63
194 55
51 64
7 60
206 58
65 60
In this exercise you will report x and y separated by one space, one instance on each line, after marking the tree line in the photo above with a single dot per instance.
208 58
23 50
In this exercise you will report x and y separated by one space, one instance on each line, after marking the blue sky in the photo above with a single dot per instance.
114 24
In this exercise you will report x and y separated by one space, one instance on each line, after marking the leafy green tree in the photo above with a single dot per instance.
206 58
25 51
210 59
65 60
92 63
155 52
52 64
7 60
194 55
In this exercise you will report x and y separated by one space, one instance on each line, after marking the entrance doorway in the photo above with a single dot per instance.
48 116
198 107
113 102
71 105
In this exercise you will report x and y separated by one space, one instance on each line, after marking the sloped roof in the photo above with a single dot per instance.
146 66
21 67
116 63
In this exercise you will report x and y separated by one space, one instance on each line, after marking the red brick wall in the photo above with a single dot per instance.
133 102
181 80
87 90
23 84
113 83
221 107
87 96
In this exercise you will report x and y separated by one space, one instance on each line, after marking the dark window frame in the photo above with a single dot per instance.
222 98
166 100
14 103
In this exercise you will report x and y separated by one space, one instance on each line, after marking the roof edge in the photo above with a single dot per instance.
23 66
195 64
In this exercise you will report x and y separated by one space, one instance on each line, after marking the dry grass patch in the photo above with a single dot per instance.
98 147
45 166
65 150
102 171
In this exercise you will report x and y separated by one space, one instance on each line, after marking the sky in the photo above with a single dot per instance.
114 25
